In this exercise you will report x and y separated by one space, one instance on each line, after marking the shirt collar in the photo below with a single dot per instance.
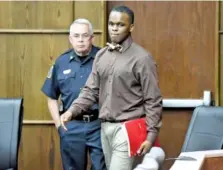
73 55
126 44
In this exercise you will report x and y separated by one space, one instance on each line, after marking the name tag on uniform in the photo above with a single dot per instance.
67 71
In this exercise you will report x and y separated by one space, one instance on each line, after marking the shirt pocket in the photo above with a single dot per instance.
66 81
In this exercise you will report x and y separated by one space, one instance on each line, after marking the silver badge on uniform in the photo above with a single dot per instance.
67 71
49 75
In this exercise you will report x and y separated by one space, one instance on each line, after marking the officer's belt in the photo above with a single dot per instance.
88 117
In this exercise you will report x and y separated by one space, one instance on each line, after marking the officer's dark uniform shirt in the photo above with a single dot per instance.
68 76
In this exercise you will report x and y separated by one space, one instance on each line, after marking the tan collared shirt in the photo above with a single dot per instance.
125 85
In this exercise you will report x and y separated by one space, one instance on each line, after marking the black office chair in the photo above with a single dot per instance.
11 116
205 130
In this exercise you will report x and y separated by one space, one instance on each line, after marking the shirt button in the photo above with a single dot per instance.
81 76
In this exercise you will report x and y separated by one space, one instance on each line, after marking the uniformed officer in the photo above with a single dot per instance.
65 80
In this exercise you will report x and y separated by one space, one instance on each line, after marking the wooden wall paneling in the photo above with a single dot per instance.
172 133
221 15
221 68
90 10
217 55
95 12
11 68
98 40
221 51
180 36
43 54
36 14
26 68
34 31
39 148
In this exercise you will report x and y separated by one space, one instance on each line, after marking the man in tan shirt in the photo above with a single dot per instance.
124 83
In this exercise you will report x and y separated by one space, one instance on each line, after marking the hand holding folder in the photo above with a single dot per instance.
136 133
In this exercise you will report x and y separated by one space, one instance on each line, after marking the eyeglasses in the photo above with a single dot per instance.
83 36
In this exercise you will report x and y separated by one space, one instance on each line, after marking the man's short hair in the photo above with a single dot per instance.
126 10
82 21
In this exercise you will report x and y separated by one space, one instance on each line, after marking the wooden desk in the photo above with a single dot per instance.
206 160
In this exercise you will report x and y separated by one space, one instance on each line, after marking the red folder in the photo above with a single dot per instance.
136 133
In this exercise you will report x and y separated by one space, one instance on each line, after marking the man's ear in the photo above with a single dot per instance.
131 27
92 39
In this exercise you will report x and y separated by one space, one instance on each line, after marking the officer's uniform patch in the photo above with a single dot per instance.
49 75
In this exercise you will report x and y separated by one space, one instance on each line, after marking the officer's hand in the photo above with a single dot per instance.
65 117
57 124
144 148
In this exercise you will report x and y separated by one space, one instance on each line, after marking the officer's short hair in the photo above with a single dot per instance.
126 10
83 21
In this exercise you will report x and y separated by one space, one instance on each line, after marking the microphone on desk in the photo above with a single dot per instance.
152 160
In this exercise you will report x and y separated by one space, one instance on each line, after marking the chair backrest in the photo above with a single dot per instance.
11 116
205 130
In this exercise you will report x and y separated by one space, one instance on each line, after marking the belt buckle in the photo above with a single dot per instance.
86 118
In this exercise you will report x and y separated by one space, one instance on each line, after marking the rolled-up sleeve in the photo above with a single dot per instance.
50 87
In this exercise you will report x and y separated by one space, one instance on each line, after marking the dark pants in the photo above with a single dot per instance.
75 143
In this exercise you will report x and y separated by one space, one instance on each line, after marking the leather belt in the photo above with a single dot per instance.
113 121
87 118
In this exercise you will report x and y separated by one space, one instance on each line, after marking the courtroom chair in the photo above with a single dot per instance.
205 130
11 116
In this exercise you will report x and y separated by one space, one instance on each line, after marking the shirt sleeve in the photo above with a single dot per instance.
89 94
50 87
147 74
